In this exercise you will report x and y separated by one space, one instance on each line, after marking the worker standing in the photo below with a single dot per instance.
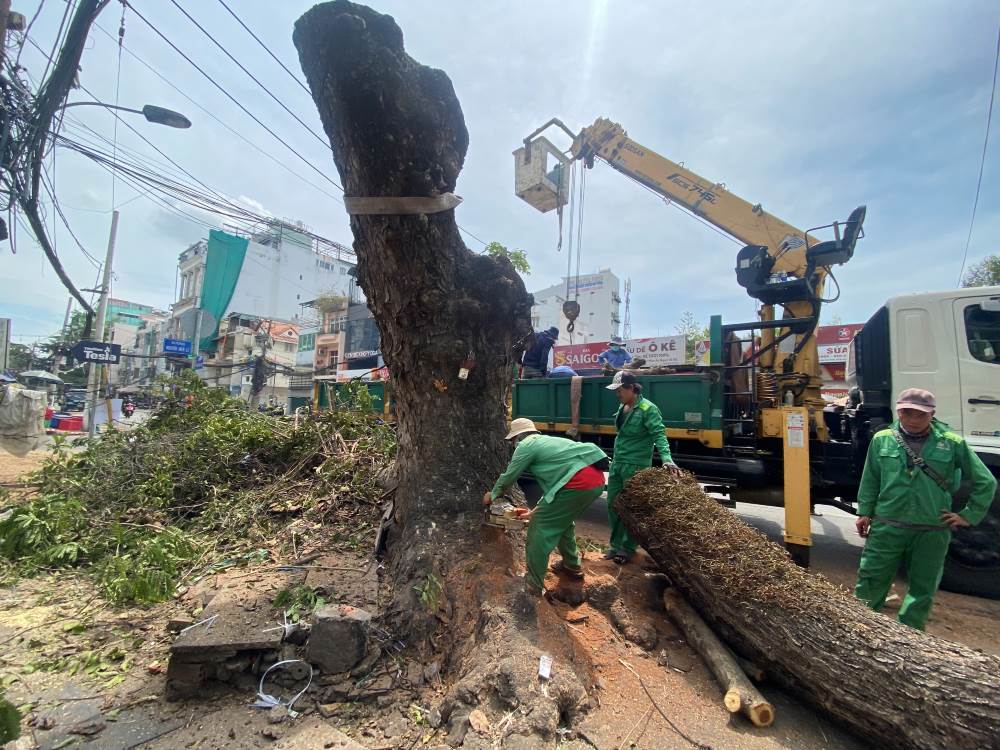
570 482
905 504
640 428
615 356
535 362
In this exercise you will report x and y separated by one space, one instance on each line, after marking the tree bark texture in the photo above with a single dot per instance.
396 130
891 684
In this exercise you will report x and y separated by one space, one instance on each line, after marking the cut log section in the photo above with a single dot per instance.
895 686
751 670
740 695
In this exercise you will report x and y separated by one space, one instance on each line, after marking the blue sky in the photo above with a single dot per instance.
809 108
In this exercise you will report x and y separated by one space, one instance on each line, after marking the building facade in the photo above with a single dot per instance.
266 275
242 281
130 313
241 341
599 296
130 325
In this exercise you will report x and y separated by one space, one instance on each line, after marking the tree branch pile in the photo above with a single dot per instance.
202 481
889 683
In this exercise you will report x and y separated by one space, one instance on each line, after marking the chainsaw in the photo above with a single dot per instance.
504 516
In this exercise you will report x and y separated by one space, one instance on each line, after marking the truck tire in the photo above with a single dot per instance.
973 563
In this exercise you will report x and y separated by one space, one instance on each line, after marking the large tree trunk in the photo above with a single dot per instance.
889 683
396 130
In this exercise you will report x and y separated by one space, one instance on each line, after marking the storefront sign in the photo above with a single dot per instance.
703 353
345 375
362 354
579 356
659 351
590 283
839 334
833 342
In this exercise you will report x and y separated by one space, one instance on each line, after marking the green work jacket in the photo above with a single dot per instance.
638 431
551 460
891 490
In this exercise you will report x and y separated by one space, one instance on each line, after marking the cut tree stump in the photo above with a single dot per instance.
893 685
740 695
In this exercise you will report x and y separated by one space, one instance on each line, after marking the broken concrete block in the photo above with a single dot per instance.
339 637
177 624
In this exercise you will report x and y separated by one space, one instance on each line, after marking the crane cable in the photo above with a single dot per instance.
572 223
571 308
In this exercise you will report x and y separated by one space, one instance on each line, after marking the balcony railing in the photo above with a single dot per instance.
300 382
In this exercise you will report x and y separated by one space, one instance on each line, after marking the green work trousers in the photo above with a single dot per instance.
621 542
922 552
553 525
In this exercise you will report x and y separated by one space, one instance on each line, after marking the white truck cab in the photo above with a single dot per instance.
945 342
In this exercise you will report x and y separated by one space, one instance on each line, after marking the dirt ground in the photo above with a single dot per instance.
13 467
87 675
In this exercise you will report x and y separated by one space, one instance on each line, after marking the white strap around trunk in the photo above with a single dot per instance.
393 205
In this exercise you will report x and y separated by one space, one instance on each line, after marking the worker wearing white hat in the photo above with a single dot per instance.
570 483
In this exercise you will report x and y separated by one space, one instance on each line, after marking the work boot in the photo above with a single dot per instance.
561 568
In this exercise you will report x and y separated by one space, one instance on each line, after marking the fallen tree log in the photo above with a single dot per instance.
889 683
751 670
740 695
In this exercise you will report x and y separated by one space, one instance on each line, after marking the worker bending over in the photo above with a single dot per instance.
570 483
535 360
615 356
905 504
640 427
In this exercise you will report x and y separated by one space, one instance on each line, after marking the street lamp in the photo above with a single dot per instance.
158 115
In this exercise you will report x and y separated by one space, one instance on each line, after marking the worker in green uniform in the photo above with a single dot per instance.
570 482
640 428
905 504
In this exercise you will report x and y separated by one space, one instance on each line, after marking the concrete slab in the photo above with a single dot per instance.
243 612
75 709
131 731
72 707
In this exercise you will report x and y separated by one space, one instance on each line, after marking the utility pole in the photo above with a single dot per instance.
196 344
93 379
259 379
60 359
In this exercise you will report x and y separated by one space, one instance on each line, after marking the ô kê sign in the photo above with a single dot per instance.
659 351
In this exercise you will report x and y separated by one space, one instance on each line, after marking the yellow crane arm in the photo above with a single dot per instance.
748 223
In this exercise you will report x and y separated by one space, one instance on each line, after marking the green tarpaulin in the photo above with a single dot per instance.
223 263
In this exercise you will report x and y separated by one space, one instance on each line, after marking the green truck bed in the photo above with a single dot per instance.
689 401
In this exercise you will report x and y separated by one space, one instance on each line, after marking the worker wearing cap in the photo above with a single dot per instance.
905 504
615 356
535 362
570 484
640 428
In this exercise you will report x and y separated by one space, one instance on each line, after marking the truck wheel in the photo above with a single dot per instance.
973 562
